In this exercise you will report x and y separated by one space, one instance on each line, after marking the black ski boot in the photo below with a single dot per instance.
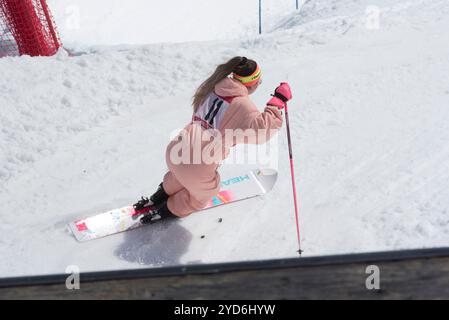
157 199
154 215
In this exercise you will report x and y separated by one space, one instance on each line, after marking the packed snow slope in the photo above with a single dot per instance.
83 134
113 22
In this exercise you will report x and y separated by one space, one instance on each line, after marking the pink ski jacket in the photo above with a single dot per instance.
229 113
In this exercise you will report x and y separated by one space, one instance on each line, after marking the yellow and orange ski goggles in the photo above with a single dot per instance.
250 80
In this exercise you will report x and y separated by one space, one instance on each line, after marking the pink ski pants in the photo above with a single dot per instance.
190 187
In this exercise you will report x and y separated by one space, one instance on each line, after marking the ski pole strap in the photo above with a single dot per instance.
280 96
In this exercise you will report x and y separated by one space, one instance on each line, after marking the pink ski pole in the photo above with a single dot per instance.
293 178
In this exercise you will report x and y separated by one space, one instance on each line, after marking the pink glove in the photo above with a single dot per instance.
282 94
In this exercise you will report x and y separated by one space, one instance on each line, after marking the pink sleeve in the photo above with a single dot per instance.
258 126
270 118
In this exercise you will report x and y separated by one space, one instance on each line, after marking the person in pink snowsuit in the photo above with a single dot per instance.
223 116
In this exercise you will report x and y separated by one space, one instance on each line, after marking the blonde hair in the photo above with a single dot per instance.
240 65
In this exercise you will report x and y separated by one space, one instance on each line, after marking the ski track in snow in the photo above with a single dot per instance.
85 134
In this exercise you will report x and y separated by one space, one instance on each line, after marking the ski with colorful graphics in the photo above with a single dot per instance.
239 187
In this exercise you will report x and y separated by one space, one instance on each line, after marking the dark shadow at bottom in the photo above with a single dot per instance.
160 244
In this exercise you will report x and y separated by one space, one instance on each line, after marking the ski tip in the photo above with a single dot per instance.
267 177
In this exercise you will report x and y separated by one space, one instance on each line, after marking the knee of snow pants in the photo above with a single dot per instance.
170 184
188 191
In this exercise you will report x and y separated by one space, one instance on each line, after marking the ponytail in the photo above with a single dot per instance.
220 73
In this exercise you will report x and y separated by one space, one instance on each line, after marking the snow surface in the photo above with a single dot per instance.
110 22
85 134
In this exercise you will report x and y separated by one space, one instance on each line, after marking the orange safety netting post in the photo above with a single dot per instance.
27 27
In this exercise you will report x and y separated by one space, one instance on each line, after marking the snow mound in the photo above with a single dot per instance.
46 100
